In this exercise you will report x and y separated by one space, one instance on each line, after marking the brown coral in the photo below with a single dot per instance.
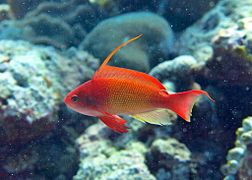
20 7
60 25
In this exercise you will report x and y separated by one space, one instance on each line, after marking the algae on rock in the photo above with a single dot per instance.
102 159
31 81
222 40
239 157
169 159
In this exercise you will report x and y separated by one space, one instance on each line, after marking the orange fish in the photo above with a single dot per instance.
116 91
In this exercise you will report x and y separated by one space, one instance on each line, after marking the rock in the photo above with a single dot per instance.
125 164
5 12
31 88
100 159
239 157
178 72
40 159
222 40
20 7
154 45
169 159
58 24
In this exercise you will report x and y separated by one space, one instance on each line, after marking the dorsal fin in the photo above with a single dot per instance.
128 74
106 71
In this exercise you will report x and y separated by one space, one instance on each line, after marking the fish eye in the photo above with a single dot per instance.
74 98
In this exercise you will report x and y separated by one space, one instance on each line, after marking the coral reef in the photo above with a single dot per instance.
239 157
73 12
59 24
107 155
222 39
124 164
49 31
101 159
31 95
156 42
177 73
38 134
32 92
221 43
41 159
75 18
5 12
20 7
170 150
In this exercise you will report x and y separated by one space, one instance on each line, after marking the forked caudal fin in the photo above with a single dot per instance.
182 103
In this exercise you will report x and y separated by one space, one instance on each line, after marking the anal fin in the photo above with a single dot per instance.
114 122
158 117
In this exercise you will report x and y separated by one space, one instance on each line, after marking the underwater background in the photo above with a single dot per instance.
49 47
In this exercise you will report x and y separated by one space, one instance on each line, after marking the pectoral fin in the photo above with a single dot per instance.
158 117
114 122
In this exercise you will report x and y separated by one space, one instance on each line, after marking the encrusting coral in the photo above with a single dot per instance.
31 92
163 151
33 82
222 40
177 73
59 24
49 31
5 12
20 7
107 155
239 157
100 158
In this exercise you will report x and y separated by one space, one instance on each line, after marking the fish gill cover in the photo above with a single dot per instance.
47 48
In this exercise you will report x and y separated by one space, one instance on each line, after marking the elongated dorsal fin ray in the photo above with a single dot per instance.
127 74
158 117
105 62
106 71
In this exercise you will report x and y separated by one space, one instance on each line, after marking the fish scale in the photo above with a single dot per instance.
122 98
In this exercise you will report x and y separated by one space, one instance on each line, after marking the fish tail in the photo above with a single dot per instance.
182 103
